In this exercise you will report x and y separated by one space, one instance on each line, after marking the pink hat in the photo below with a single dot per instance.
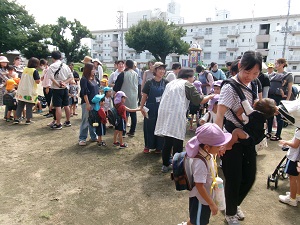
119 96
212 101
197 85
218 83
209 134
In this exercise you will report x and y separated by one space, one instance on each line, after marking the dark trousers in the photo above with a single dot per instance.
170 143
139 93
279 124
48 96
133 121
239 167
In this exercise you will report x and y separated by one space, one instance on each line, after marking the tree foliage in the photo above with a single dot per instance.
157 37
66 35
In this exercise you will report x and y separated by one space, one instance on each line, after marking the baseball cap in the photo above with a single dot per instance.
119 96
212 101
209 134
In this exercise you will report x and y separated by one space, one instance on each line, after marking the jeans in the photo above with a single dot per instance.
85 126
133 121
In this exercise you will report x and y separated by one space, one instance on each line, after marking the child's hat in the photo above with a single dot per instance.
290 110
212 101
97 99
197 85
218 83
10 84
105 89
119 96
209 134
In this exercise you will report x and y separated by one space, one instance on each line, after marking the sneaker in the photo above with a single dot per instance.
123 146
287 200
183 223
116 143
130 134
9 120
51 124
128 124
146 150
16 121
57 127
157 151
239 213
165 169
102 143
82 143
232 220
49 115
67 123
151 150
297 196
28 122
39 111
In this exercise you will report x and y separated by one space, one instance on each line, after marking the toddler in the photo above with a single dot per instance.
210 115
10 87
73 96
195 110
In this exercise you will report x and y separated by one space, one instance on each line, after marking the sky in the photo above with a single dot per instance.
102 14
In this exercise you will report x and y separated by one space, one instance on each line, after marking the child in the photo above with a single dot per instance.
38 107
11 72
266 106
194 110
293 155
207 142
119 101
73 98
210 116
103 84
11 90
101 128
217 87
108 100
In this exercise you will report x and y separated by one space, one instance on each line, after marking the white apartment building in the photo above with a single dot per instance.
221 41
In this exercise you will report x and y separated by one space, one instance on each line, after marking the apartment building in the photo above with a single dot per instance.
221 41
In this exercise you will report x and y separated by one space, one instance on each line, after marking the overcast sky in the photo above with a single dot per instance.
102 14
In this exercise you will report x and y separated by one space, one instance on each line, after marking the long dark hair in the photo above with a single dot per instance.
250 59
87 70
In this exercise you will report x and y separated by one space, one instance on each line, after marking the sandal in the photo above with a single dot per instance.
275 138
268 135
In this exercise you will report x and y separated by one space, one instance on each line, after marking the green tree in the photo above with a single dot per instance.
66 35
157 37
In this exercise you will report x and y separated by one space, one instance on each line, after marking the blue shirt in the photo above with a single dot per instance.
89 88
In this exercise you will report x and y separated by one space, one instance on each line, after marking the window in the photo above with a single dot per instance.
108 35
207 55
222 55
208 31
231 54
250 40
137 56
223 42
144 17
224 30
191 42
244 27
294 68
262 45
191 30
148 55
207 43
243 40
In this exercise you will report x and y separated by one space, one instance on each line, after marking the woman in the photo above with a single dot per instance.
239 163
216 72
206 79
171 119
151 95
285 80
88 89
98 70
27 93
148 74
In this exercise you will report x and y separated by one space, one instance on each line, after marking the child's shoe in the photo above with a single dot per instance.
16 121
102 143
39 111
165 169
123 146
287 200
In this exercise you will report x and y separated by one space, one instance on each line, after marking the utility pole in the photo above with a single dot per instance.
120 21
286 29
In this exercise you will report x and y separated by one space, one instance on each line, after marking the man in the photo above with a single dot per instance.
113 77
60 75
270 69
172 75
75 74
127 82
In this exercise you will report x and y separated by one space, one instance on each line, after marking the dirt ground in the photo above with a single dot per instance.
46 178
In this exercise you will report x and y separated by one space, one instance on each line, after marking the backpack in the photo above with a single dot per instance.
8 99
295 92
113 116
43 101
276 84
182 172
93 118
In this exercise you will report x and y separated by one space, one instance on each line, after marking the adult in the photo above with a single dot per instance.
17 66
206 79
172 75
60 75
228 66
148 74
88 89
285 80
265 84
234 68
46 83
98 69
270 69
152 92
217 73
75 74
240 175
113 77
171 119
128 83
27 92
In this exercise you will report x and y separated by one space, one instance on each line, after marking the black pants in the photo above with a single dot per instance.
170 143
139 94
48 96
239 167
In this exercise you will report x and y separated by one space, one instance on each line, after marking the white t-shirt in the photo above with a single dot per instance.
107 103
293 153
212 116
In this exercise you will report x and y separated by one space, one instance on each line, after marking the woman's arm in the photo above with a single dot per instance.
222 109
143 100
290 85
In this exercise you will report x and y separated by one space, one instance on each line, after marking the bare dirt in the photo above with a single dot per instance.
46 178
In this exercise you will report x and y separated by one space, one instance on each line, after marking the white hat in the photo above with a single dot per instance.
291 111
98 61
3 59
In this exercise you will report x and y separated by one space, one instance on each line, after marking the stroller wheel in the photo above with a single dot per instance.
284 176
269 180
276 182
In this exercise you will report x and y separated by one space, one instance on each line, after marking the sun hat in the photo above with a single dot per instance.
290 110
87 59
217 83
119 96
3 59
97 60
10 84
104 80
197 85
158 64
209 134
212 101
105 89
270 65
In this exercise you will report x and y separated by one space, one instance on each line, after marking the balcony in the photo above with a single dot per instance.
114 44
295 30
233 33
263 38
98 49
114 54
294 44
232 47
131 50
198 35
99 40
294 59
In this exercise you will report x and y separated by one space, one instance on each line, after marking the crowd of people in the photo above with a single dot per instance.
167 100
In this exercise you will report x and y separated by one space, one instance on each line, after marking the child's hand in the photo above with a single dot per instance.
213 208
282 142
